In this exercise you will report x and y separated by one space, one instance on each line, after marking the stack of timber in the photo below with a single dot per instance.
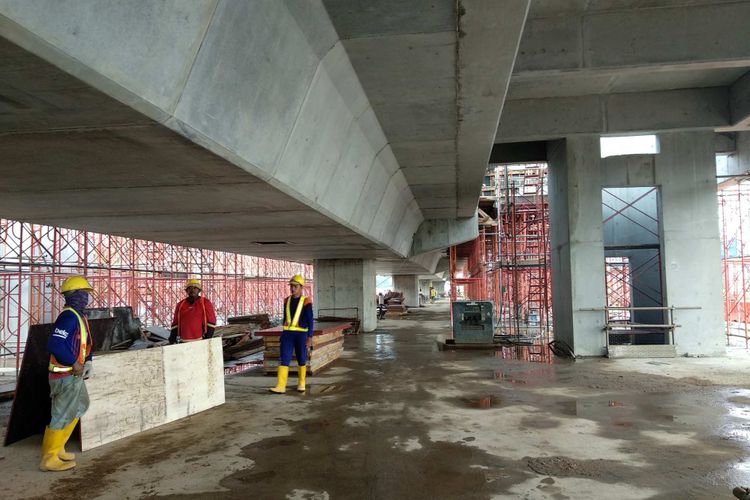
239 342
395 308
325 347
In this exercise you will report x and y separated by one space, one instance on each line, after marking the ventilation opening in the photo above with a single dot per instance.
271 242
629 145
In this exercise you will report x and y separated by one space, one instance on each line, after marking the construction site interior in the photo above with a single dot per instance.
483 249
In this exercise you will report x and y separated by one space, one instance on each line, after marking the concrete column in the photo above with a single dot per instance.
346 285
685 172
576 243
408 284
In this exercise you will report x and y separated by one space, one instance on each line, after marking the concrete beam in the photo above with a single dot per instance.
671 38
219 74
438 234
543 119
739 101
487 28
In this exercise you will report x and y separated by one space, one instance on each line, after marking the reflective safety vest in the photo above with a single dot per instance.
294 325
83 326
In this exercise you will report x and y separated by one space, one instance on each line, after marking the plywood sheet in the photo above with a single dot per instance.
193 377
127 396
134 391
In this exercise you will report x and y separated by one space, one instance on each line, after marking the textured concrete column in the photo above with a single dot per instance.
408 284
685 172
576 243
346 283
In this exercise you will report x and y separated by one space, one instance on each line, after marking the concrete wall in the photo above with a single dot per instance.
576 243
265 84
346 283
408 284
684 170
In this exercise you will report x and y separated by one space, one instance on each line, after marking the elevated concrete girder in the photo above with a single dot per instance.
283 121
436 94
537 119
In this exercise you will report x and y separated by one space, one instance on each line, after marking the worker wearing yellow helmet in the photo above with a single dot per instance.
70 363
296 329
194 316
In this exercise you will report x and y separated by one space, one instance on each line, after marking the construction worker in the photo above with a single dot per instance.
297 328
194 316
70 363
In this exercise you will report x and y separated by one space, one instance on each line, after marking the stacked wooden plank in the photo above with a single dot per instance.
325 346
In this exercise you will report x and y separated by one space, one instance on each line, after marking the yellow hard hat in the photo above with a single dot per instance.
297 279
193 282
73 283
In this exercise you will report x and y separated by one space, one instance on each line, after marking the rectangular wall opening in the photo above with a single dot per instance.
633 263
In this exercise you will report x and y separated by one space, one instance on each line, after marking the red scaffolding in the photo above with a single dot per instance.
145 275
509 262
734 215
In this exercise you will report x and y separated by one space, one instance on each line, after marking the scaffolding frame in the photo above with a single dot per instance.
508 263
734 216
146 275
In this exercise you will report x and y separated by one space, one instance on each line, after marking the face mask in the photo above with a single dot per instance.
77 299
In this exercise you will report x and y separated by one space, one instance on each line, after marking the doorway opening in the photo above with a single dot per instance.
633 264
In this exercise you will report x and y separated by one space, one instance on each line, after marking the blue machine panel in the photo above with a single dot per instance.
473 322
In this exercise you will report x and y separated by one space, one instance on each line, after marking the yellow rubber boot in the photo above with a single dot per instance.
67 431
302 375
281 377
51 446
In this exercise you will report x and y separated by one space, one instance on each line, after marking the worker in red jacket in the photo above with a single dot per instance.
194 316
70 363
296 329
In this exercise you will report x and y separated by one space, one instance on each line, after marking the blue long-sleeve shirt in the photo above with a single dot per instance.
65 341
306 318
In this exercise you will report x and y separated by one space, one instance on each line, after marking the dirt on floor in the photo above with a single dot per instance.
396 417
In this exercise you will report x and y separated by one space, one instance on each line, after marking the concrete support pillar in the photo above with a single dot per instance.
685 171
346 285
408 284
576 243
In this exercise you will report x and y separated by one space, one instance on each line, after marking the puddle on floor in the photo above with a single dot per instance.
482 403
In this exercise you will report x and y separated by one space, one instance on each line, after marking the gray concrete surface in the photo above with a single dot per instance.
626 66
346 288
684 170
408 285
396 418
320 107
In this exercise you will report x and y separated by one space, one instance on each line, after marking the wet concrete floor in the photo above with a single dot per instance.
397 418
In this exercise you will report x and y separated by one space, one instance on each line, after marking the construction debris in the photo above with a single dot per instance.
395 307
239 342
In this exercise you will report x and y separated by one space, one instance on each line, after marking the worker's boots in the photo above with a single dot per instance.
281 377
301 382
52 444
68 430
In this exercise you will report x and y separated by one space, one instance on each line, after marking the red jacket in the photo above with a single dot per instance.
191 321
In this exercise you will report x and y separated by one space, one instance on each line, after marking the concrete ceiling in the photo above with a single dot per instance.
626 66
74 157
364 123
200 125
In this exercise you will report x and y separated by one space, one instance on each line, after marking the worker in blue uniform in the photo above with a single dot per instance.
70 363
296 329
